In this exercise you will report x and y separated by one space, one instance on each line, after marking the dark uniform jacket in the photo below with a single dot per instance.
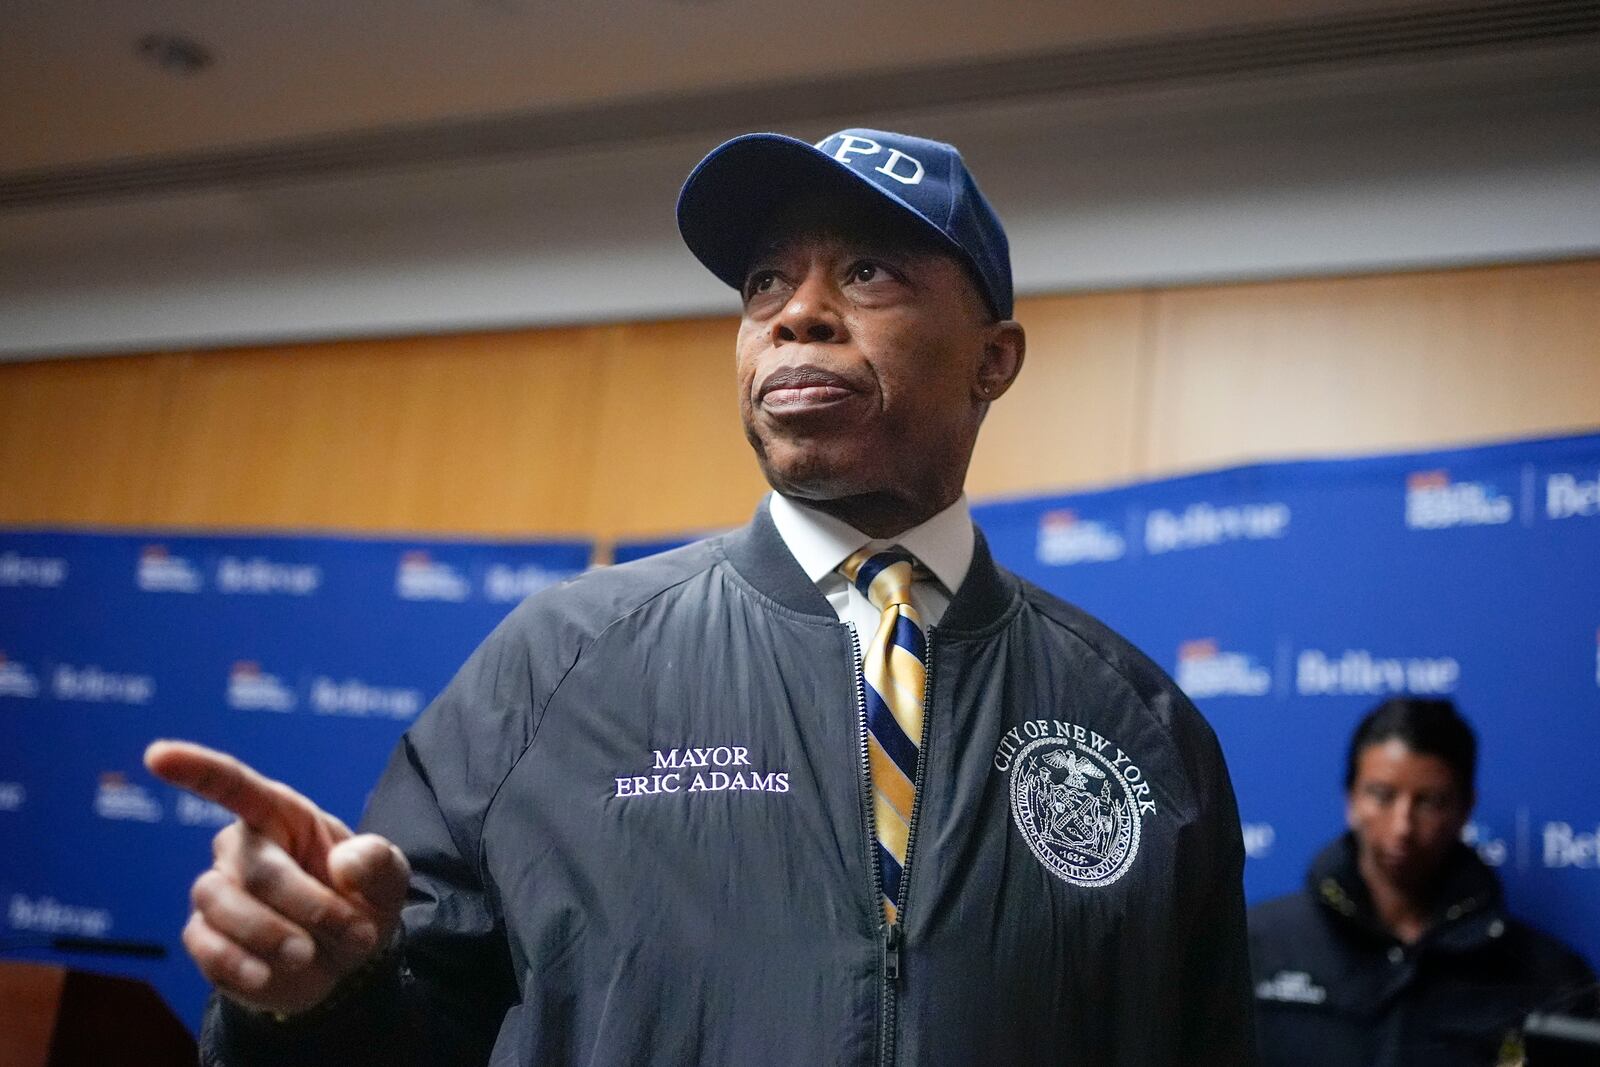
638 823
1335 989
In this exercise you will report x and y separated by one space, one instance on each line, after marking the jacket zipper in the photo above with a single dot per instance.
891 933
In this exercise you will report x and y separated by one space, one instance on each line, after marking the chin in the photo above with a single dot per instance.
1412 872
813 475
814 486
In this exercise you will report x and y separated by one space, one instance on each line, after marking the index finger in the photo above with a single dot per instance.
263 804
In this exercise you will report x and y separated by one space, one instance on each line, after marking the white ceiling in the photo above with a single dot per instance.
74 89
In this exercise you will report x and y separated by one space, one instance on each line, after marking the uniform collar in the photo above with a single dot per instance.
819 542
758 552
1469 892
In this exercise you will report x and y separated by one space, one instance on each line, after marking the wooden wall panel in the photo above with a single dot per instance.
1369 364
485 433
494 432
81 440
632 430
1073 417
672 453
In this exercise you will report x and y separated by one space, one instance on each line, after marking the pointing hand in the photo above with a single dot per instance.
293 901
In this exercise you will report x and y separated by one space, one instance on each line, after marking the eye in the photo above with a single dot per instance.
866 270
1433 803
1380 794
761 281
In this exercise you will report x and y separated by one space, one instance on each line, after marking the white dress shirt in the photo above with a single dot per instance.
820 542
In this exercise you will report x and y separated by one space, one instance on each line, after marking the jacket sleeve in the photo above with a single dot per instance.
1218 1024
440 995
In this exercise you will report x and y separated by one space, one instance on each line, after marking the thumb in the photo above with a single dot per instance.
372 868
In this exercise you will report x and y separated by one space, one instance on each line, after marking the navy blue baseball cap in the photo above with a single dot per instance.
731 195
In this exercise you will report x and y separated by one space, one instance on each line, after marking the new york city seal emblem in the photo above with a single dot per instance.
1077 799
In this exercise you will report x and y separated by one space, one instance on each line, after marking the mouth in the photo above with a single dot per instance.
1396 860
803 389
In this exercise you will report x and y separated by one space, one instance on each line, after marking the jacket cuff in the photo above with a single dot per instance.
342 1027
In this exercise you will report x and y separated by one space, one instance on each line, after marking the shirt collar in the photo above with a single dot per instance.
820 542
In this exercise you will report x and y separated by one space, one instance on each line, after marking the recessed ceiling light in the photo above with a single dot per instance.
175 52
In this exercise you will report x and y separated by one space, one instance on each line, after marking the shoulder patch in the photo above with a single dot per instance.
1291 987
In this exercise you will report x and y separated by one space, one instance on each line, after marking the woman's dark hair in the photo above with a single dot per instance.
1430 727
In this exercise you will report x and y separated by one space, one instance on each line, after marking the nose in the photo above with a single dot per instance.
811 314
1403 820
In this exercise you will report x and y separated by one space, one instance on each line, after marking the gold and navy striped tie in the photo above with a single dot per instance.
895 679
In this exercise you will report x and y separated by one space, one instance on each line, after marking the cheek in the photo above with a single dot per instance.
922 376
1365 819
1442 831
744 365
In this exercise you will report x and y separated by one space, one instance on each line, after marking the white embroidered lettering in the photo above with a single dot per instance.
670 766
895 157
851 145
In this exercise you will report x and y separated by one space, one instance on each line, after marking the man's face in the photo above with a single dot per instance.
1406 809
861 358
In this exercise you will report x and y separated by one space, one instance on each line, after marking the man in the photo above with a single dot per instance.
773 797
1400 951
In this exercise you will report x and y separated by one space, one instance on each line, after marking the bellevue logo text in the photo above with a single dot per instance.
265 577
44 915
1065 539
1567 847
419 577
1568 497
16 680
118 798
356 698
1204 670
1434 502
251 689
41 572
162 572
1357 672
505 585
1258 839
1203 525
195 811
96 686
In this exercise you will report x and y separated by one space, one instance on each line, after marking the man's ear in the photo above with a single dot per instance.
1003 353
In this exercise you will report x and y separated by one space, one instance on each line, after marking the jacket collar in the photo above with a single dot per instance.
1468 908
758 553
942 544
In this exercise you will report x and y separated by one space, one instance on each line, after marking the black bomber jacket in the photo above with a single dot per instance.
638 825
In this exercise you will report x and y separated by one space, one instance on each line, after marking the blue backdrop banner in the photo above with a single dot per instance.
1289 599
306 656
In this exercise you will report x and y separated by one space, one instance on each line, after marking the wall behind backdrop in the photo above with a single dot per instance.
631 430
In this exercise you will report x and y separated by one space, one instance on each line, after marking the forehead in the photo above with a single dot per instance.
1394 763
